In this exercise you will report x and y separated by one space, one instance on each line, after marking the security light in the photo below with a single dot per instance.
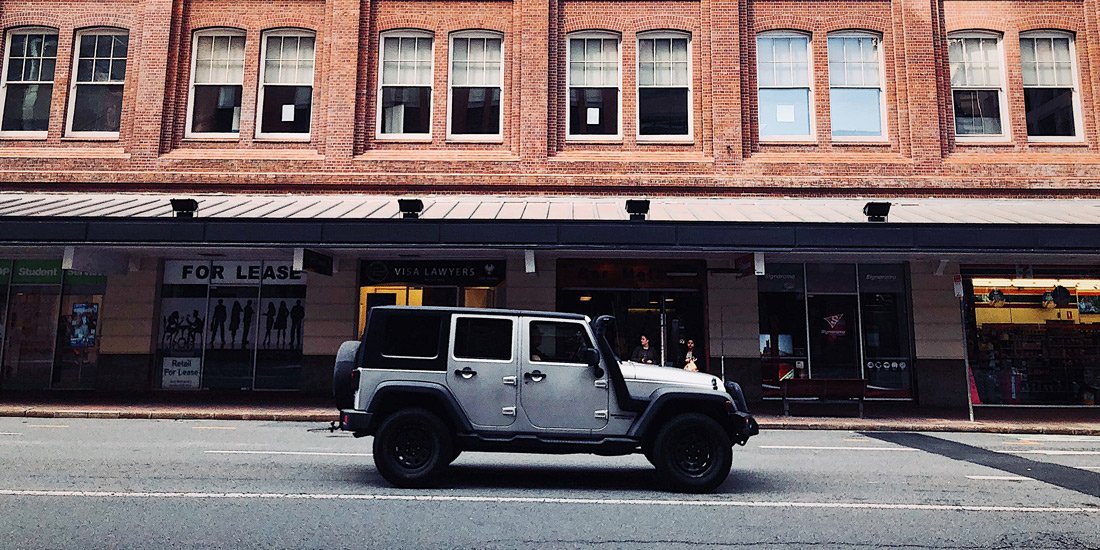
637 208
184 208
410 208
876 211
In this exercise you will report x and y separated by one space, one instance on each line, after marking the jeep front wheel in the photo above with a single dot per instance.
692 453
411 447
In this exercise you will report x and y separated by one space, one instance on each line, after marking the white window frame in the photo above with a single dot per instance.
1006 126
672 138
24 134
483 138
418 137
812 136
1078 120
884 137
102 31
188 133
260 85
583 138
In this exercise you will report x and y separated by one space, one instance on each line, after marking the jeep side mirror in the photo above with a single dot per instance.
592 358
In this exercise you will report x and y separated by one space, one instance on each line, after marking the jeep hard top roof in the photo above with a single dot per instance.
490 311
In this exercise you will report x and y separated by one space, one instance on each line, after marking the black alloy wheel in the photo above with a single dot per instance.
411 447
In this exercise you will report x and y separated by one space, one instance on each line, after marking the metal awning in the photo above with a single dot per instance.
566 222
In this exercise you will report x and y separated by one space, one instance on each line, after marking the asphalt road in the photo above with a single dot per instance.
79 483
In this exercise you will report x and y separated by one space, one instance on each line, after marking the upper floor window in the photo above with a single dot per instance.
406 85
1050 85
95 101
286 84
217 80
28 81
783 77
594 85
855 86
977 84
477 81
664 85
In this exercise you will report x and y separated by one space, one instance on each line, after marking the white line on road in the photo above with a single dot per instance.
48 425
1050 452
810 448
10 433
213 428
1055 437
548 500
1001 478
307 453
1089 467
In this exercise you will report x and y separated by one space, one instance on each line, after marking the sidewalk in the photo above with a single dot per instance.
312 408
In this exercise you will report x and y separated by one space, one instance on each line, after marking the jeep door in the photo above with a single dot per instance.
483 367
558 389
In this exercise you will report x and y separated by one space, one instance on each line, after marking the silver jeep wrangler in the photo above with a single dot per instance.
429 383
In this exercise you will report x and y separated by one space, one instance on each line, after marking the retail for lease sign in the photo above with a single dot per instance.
181 373
231 273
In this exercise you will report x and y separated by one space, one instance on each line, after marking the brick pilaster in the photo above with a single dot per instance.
150 70
342 27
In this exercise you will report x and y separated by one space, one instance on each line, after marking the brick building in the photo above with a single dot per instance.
757 129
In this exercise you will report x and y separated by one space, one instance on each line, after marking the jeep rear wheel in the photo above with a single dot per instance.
692 453
411 447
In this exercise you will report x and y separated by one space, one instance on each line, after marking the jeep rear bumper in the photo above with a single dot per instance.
355 421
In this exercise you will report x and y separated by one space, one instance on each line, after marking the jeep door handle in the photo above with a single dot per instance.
466 373
534 376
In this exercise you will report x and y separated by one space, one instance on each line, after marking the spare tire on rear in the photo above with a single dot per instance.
343 381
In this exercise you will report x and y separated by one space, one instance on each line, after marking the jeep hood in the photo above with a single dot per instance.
652 374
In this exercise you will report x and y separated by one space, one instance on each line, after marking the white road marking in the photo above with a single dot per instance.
1054 437
213 428
10 433
1050 452
1088 467
306 453
810 448
1001 478
48 425
548 500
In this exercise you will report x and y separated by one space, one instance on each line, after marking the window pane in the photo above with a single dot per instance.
645 50
764 48
103 45
558 342
101 71
87 46
663 111
15 70
27 107
406 110
460 49
645 74
1049 111
286 109
98 108
18 45
977 112
47 69
855 112
121 45
593 111
411 335
482 338
475 111
784 112
118 70
50 47
216 109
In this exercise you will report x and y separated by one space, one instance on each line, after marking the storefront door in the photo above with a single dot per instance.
834 340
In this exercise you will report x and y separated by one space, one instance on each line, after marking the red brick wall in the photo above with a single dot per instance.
920 155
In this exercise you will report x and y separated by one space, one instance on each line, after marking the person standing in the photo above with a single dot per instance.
691 357
643 353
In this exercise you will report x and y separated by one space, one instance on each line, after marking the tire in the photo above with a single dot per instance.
411 448
692 453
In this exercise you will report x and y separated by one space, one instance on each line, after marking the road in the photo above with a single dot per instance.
84 483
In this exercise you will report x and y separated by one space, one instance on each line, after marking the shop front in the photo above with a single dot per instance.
230 325
49 326
1033 335
836 321
663 300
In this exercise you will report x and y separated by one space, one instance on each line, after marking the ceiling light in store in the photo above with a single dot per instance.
1079 284
585 298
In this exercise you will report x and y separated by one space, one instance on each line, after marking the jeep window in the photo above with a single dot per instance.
411 336
558 342
483 338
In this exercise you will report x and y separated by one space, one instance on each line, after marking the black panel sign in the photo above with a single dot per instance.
429 272
316 262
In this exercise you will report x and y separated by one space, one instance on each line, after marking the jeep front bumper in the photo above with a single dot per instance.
355 421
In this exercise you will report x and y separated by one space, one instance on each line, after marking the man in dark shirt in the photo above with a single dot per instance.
643 353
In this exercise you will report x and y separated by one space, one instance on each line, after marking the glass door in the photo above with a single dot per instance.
31 334
834 330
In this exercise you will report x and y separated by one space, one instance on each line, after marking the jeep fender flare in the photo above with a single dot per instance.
397 394
670 401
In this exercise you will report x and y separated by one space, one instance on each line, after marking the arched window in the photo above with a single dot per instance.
95 100
1051 97
784 85
855 86
217 81
31 55
286 84
977 85
476 87
594 86
664 85
405 85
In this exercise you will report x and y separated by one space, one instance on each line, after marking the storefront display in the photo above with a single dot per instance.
836 321
1035 339
231 325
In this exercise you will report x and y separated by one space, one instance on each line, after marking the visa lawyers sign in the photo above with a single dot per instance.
231 273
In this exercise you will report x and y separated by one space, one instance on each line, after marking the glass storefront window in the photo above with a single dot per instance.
1034 340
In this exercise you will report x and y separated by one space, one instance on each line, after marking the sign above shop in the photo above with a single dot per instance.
433 272
36 272
631 274
231 273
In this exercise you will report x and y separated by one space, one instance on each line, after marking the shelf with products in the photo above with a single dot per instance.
1049 363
